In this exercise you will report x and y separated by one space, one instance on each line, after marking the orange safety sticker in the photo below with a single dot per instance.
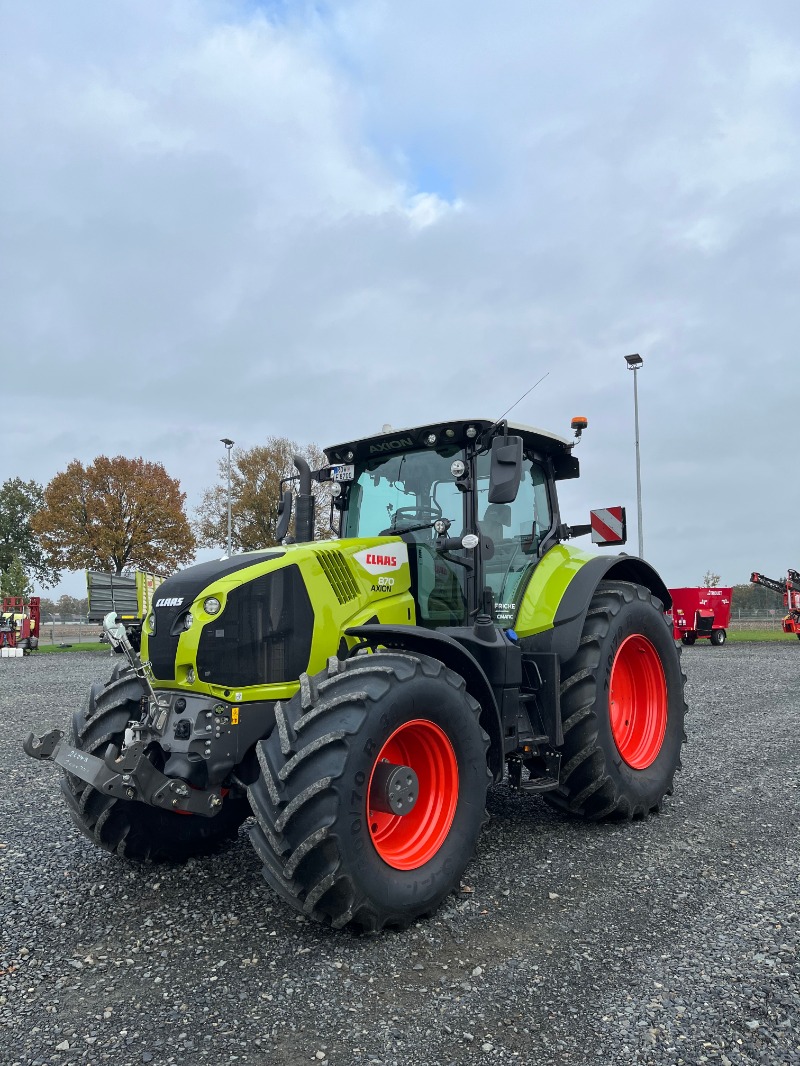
234 715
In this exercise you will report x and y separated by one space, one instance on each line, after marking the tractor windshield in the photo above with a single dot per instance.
395 493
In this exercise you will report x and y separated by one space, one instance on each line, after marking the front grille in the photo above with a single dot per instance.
162 646
338 574
262 637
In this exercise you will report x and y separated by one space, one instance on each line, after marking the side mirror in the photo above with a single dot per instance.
505 472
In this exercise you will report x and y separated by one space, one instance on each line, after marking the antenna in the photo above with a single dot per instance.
522 397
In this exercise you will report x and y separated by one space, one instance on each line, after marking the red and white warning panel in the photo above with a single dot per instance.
609 525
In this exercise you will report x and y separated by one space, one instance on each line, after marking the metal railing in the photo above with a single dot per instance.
758 619
68 629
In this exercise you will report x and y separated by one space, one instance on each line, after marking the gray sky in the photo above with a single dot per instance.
223 219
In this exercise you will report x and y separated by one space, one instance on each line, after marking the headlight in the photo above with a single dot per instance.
211 605
187 621
151 622
458 468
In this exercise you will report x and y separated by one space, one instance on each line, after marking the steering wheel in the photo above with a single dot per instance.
416 514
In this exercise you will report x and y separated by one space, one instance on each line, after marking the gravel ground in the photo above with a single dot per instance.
666 942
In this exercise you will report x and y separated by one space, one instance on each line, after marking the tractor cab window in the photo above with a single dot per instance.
394 493
514 532
406 494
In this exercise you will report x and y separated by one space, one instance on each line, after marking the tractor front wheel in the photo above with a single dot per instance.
622 704
372 791
128 828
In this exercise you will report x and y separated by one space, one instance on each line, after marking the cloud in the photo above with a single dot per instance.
240 219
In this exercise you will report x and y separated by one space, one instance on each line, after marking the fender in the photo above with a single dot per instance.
573 607
416 639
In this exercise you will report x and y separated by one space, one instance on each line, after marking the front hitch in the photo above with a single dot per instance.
128 775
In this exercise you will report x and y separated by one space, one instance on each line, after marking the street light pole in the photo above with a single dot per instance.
228 445
635 363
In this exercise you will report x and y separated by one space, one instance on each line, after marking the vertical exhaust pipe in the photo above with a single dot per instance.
304 520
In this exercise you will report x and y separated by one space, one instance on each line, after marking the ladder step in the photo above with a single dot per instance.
539 784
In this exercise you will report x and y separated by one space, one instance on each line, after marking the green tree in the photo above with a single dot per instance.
256 475
19 502
14 581
115 514
711 580
747 598
71 605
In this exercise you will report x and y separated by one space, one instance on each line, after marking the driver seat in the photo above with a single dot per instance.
496 518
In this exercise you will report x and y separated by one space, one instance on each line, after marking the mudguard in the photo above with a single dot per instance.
455 657
556 598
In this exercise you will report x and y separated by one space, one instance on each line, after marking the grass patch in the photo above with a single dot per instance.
51 649
752 636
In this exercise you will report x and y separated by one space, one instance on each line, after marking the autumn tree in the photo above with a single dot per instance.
256 475
19 545
113 515
47 606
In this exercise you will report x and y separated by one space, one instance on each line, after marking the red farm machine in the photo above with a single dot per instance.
19 626
790 589
701 614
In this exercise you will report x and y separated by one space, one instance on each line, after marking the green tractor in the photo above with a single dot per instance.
358 696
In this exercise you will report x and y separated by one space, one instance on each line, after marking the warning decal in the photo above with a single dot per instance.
609 525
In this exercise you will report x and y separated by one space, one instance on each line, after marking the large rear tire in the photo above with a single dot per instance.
623 708
128 828
326 848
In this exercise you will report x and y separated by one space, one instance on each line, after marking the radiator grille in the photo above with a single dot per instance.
338 574
263 635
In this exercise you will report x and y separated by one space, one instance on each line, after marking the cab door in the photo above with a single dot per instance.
511 534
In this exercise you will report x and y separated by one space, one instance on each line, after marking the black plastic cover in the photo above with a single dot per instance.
174 597
262 637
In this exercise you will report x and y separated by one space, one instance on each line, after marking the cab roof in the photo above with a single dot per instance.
454 432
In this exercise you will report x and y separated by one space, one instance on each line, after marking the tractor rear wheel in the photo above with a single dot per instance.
128 828
688 639
372 791
718 637
622 704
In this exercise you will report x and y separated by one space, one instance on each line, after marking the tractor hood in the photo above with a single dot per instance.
247 625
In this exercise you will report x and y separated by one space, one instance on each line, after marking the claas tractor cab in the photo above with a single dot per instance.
358 696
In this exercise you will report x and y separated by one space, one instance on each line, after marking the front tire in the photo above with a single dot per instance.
718 637
326 849
128 828
623 708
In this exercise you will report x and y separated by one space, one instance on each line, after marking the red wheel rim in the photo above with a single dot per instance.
638 702
408 841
